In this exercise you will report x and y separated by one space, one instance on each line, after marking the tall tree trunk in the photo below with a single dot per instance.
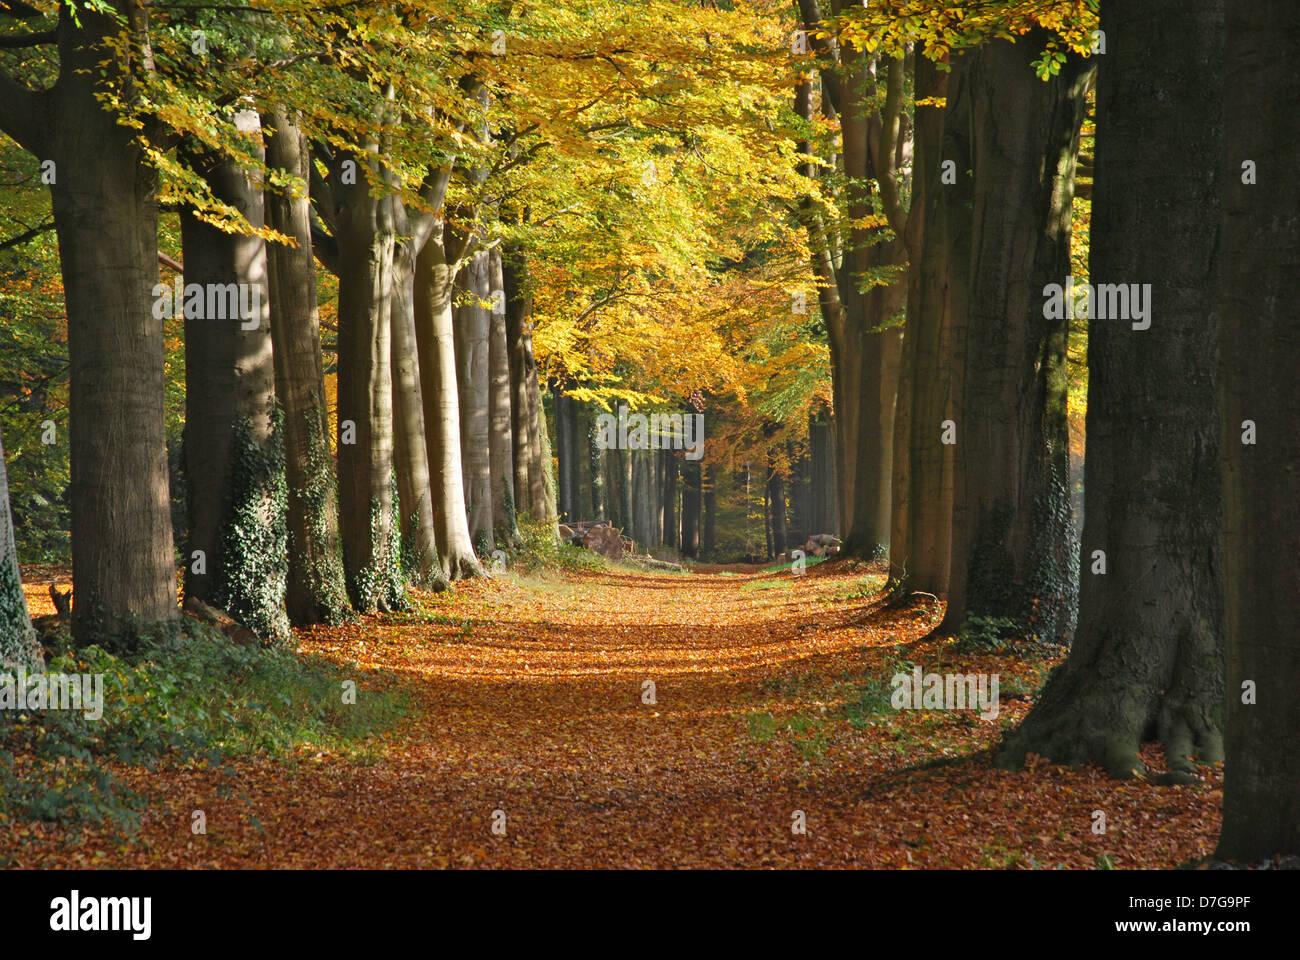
473 324
106 217
1259 343
501 440
18 645
435 338
596 457
799 490
367 239
1015 555
709 496
822 440
776 498
234 461
566 453
1146 663
315 591
691 508
929 369
672 536
410 453
530 477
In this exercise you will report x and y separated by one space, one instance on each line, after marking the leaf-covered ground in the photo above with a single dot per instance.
771 696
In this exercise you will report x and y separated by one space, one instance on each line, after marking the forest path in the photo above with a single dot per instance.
528 699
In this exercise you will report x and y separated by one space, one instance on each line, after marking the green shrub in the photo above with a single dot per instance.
540 549
197 698
986 635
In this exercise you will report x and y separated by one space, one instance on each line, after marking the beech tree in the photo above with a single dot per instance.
1146 662
315 590
1013 553
234 465
106 217
17 639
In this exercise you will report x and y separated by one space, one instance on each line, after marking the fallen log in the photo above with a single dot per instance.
210 615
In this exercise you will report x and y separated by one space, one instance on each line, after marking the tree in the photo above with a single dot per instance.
500 436
1258 343
315 591
106 216
234 462
410 452
1146 661
1014 553
435 337
473 386
18 645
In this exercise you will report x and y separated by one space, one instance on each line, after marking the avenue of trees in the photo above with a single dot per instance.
407 253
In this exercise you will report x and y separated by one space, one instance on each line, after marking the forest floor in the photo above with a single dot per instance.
771 695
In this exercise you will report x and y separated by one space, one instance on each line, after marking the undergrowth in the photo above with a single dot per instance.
197 699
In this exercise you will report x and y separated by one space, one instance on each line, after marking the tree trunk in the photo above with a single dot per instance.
671 535
929 370
410 453
776 504
501 440
596 457
691 508
106 216
367 239
1259 343
435 338
822 441
1015 555
530 476
1146 663
234 460
709 495
564 448
315 591
473 325
18 646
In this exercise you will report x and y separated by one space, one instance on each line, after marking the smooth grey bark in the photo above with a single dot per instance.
472 328
364 229
234 462
1147 661
1015 555
500 434
931 363
315 591
530 491
18 646
435 338
1259 343
410 454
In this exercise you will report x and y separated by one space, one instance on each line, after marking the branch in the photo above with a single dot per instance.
811 15
19 112
26 235
886 158
29 39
